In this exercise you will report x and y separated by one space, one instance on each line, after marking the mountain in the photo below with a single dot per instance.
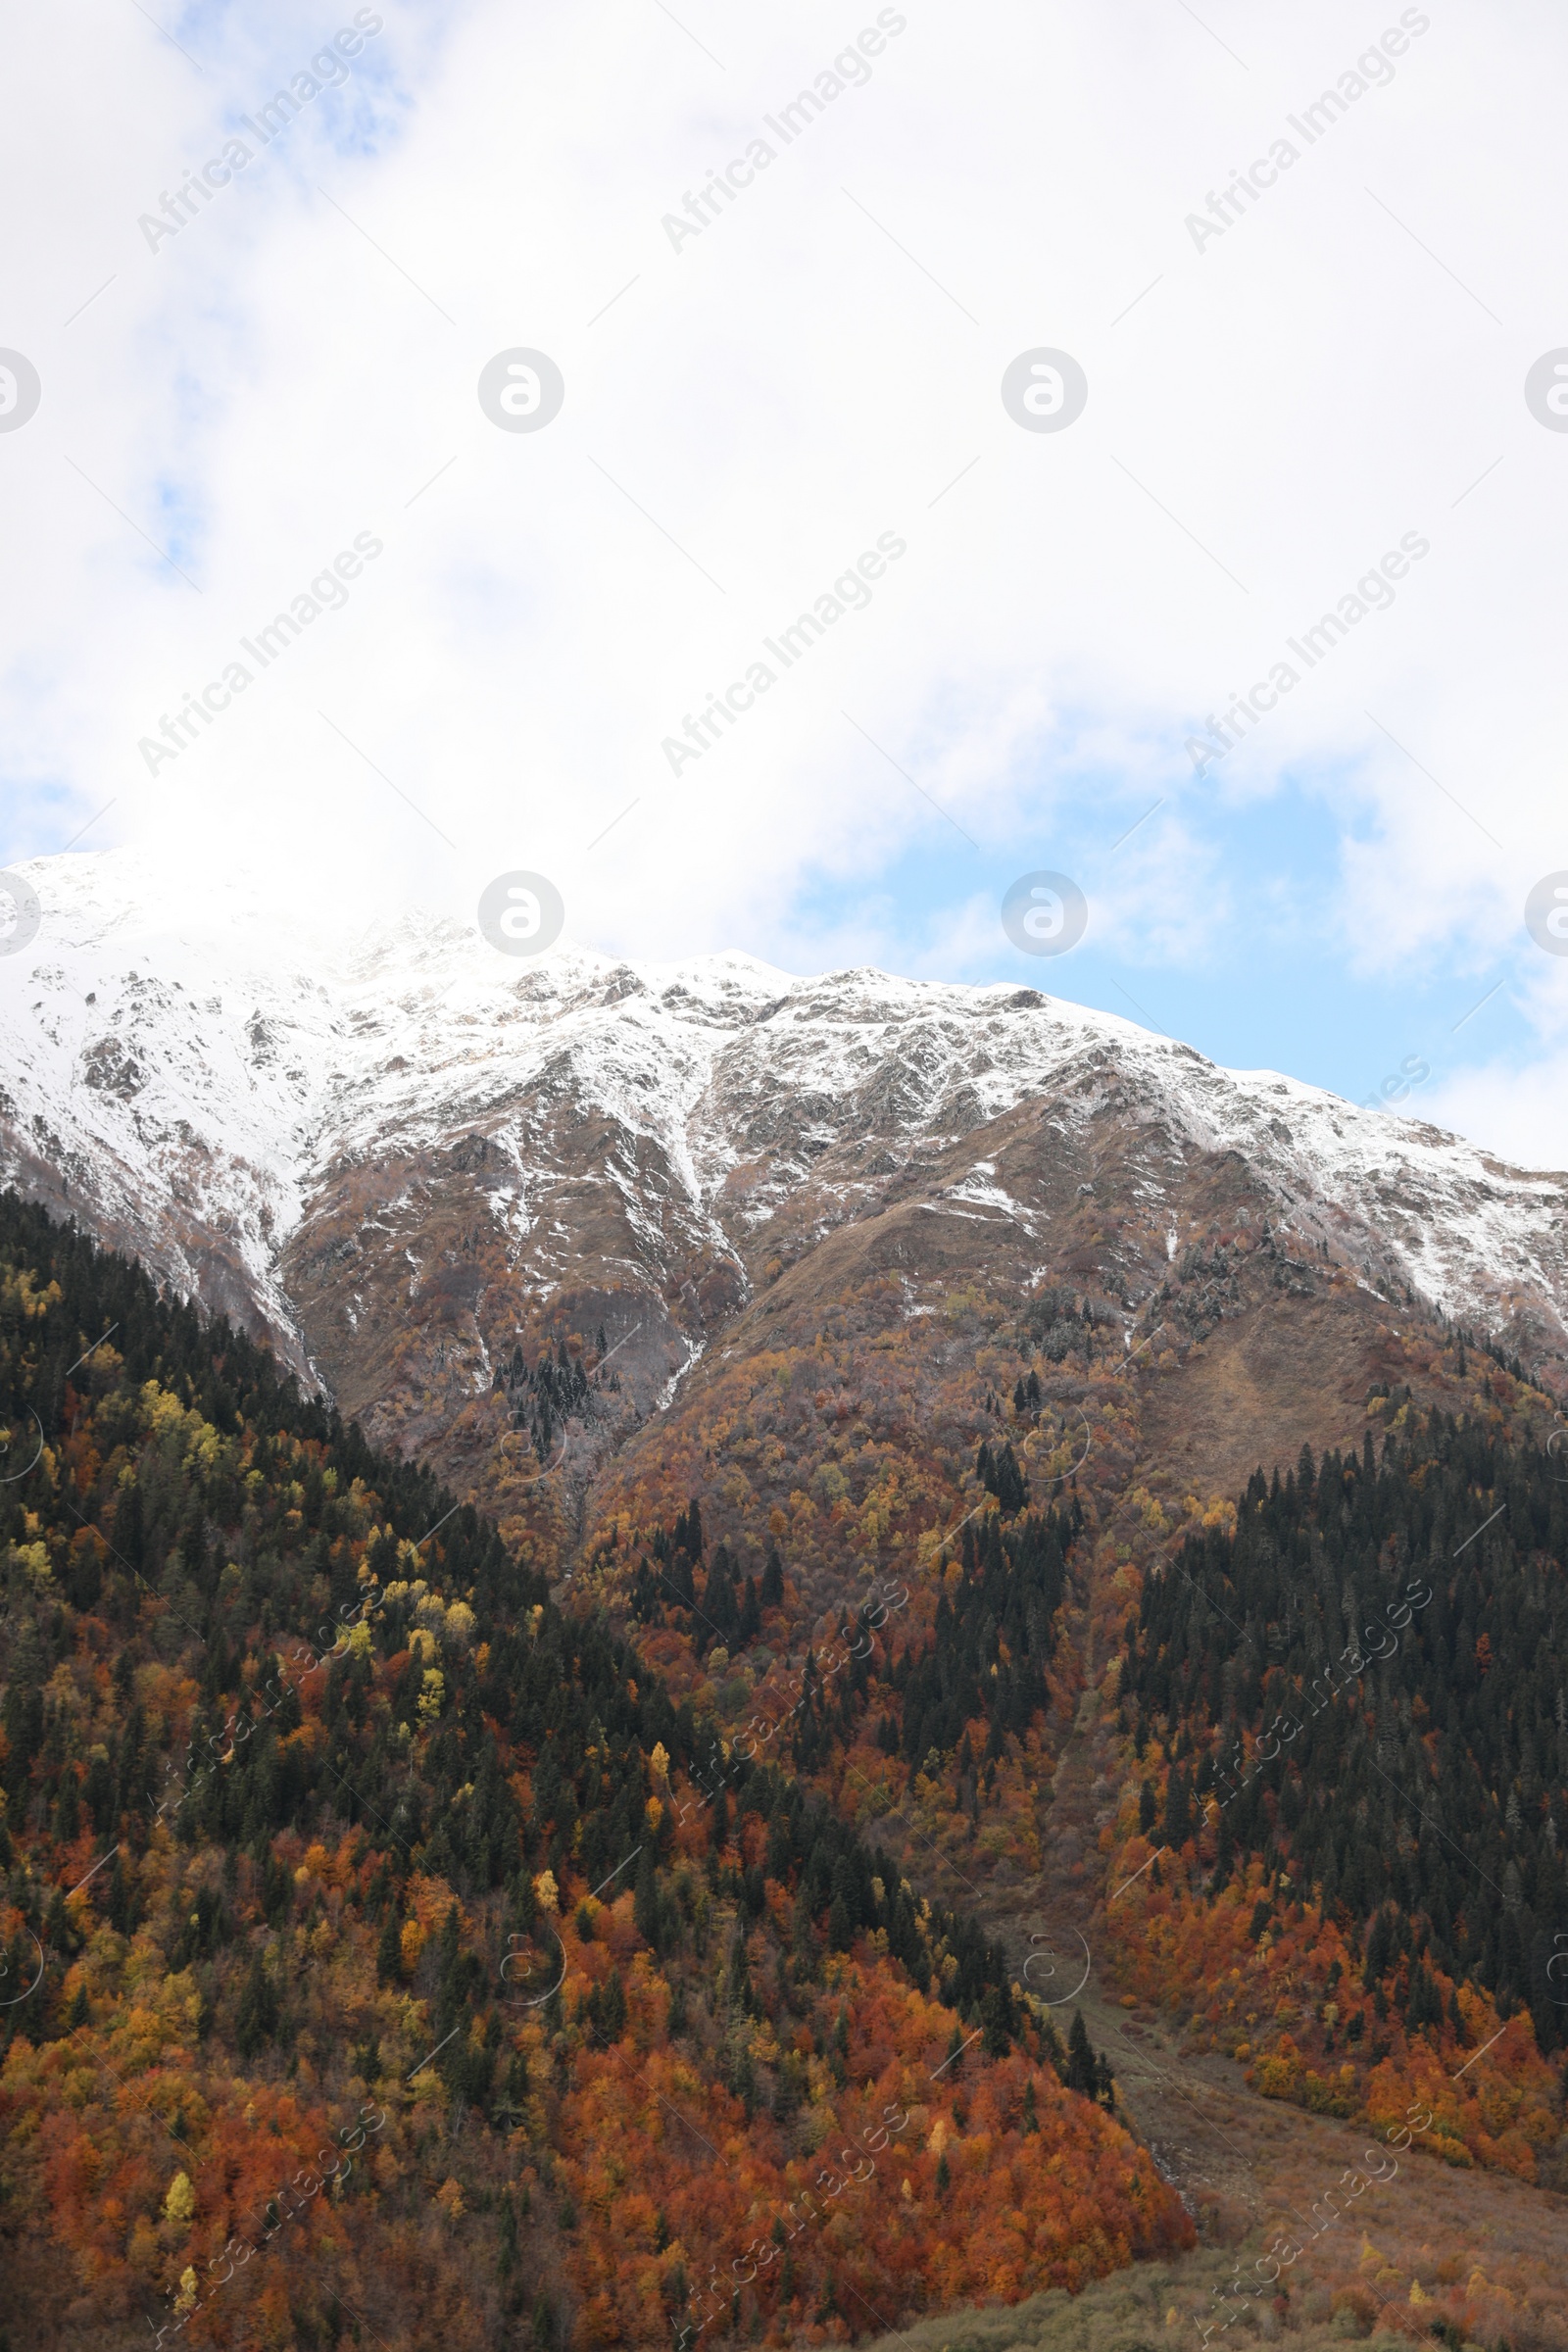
879 1363
400 1158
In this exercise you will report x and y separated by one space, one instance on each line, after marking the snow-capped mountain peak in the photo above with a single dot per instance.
243 1100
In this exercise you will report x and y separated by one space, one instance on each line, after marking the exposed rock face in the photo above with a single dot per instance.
407 1156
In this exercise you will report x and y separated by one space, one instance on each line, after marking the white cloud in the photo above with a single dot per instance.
818 367
1521 1115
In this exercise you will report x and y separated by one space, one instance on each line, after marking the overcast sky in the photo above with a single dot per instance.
1291 390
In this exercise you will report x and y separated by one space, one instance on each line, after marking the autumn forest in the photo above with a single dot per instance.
421 1926
393 1954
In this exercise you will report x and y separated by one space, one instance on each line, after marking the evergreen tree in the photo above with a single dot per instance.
1081 2069
257 2017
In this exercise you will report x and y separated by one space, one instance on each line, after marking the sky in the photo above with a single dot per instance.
782 356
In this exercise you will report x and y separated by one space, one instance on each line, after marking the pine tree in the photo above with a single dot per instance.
1081 2071
646 1908
256 2015
995 2012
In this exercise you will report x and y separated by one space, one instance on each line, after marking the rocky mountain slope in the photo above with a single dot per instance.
404 1157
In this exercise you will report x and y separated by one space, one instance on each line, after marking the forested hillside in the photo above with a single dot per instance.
388 1957
952 1698
946 1479
1350 1720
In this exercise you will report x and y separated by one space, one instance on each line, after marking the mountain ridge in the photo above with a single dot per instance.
400 1155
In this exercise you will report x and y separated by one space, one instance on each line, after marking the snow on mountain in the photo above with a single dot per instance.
193 1081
